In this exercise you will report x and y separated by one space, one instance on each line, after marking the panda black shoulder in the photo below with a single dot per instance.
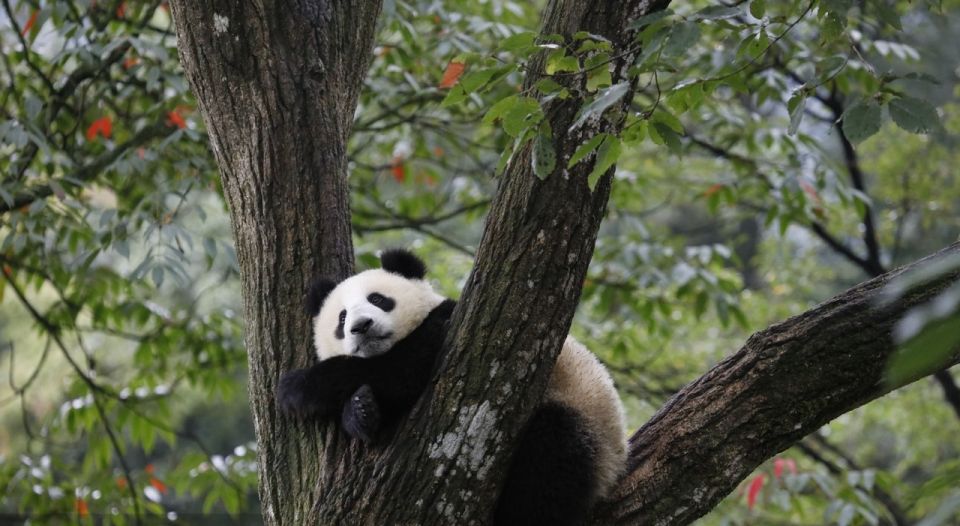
432 331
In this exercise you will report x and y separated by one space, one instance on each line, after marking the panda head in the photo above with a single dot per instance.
368 313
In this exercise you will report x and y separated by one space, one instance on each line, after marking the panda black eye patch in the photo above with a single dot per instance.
379 300
343 318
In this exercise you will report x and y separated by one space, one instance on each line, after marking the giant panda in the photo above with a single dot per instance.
377 335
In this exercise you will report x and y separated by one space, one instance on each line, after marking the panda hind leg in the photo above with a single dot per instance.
552 477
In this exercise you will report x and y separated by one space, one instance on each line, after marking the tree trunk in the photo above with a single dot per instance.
277 86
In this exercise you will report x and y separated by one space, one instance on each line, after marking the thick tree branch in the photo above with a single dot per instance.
784 383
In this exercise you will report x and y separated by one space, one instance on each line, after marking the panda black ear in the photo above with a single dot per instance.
403 262
317 291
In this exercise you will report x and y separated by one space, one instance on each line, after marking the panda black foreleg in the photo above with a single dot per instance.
552 477
323 389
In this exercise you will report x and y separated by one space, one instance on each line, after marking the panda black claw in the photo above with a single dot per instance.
361 415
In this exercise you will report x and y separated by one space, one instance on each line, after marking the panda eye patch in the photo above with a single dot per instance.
343 318
379 300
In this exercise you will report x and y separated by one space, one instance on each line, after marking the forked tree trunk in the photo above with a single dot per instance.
277 84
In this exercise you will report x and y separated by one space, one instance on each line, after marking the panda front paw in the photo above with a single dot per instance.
292 394
361 415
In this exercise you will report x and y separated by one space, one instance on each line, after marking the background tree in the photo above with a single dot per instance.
748 97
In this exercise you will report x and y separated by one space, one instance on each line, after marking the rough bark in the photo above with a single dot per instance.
277 84
786 381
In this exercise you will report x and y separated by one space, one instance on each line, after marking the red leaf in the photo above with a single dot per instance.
452 74
791 465
30 21
129 62
102 126
175 119
778 468
122 482
149 469
81 507
754 490
160 486
713 189
121 9
141 152
399 170
438 151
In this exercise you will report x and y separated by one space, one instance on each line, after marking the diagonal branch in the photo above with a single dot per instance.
784 383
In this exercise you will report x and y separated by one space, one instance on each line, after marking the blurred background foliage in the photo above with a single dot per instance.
776 154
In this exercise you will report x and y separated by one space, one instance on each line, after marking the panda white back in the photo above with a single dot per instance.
580 382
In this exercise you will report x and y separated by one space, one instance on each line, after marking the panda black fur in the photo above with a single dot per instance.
377 335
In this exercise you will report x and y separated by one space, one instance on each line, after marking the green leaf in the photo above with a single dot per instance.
830 67
716 12
455 96
914 115
559 62
839 7
795 106
925 353
607 156
544 158
649 19
861 120
586 149
598 71
682 38
887 13
668 119
520 42
515 112
497 110
669 137
604 99
758 8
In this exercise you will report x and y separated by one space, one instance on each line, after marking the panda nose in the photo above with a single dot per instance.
361 326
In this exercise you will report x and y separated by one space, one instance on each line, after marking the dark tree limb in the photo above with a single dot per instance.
786 381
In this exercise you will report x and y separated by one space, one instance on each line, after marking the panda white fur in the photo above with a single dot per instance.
377 335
